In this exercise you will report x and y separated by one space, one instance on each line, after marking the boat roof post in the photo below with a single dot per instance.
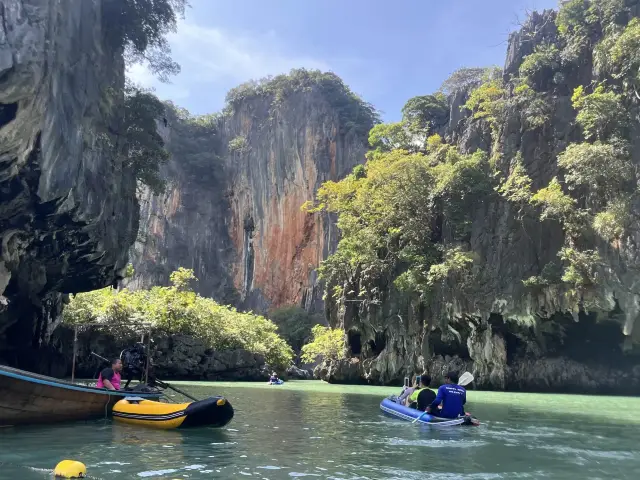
146 375
75 350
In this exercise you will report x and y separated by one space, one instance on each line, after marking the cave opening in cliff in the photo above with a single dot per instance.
592 340
8 112
513 344
379 344
355 342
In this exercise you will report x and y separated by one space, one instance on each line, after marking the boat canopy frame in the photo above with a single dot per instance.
145 327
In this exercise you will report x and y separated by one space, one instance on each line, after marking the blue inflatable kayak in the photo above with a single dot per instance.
279 382
390 407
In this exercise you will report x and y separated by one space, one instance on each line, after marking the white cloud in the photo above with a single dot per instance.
215 60
218 54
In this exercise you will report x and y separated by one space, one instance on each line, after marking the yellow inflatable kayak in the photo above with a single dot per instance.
211 412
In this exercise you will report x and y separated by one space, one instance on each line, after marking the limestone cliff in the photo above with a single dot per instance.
237 182
509 335
68 211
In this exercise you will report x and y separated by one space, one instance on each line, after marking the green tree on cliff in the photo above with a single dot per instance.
406 216
295 324
391 219
327 343
143 146
140 28
179 310
354 114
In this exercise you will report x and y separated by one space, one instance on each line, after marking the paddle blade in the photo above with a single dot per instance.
465 379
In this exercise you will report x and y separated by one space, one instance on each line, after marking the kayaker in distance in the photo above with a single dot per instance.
109 378
274 378
422 396
452 397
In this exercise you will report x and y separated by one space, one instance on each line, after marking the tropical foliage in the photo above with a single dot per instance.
139 27
239 145
391 219
488 101
196 143
327 343
466 78
179 310
144 150
355 114
405 216
295 325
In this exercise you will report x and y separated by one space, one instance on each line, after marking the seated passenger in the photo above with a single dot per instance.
452 397
426 395
402 399
109 378
273 378
422 397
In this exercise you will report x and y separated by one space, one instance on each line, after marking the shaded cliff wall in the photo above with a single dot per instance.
508 335
188 225
68 211
236 218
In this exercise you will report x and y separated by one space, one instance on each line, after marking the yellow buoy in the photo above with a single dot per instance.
70 469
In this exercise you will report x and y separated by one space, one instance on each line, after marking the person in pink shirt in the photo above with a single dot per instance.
109 378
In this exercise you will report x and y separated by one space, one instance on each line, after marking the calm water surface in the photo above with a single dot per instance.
311 429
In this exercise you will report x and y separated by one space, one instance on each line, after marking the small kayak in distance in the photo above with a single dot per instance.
210 412
390 407
278 382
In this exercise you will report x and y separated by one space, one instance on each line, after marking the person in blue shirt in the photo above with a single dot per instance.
452 397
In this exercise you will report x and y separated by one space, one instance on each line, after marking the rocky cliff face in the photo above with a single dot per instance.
232 210
508 335
68 211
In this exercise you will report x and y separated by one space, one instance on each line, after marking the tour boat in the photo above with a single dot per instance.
29 398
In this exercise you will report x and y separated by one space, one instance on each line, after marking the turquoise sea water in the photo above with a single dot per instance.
316 430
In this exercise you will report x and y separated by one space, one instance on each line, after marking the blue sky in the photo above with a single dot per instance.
386 50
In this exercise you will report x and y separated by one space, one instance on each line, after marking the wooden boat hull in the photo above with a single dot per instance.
28 398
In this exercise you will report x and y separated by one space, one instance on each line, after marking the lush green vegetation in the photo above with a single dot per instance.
196 143
239 145
425 114
488 102
295 325
139 27
143 146
391 218
355 114
327 343
598 182
466 78
535 106
539 67
179 310
405 215
422 117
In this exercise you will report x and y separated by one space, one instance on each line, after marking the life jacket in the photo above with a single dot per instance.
414 396
115 381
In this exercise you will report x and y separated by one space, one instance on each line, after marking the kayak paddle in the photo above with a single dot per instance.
465 379
423 414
